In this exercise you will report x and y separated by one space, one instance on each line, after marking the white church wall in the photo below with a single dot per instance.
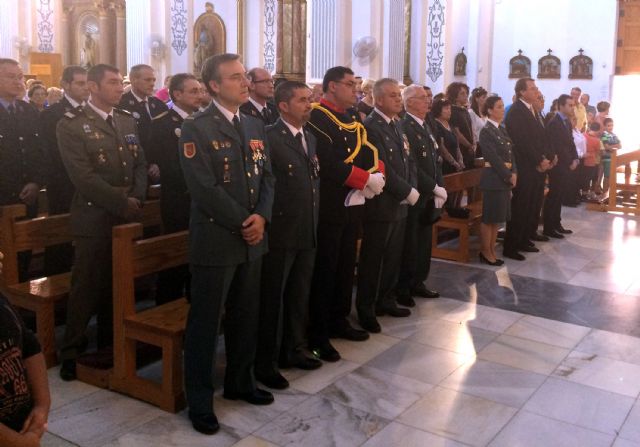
417 65
564 26
366 19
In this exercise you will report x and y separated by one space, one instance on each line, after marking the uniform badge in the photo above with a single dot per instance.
189 150
315 166
136 115
131 102
102 159
407 148
227 144
178 132
86 128
215 144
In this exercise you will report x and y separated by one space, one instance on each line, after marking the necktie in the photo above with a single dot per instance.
110 121
300 143
12 110
146 107
266 115
238 127
394 128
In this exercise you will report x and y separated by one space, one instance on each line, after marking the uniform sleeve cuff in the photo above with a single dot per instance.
381 167
357 179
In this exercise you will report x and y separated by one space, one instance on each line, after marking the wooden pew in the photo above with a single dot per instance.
40 295
162 326
459 181
624 182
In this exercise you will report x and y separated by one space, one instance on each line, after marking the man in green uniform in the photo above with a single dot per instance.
105 162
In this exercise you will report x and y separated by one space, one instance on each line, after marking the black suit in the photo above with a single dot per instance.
385 218
529 146
416 256
560 138
288 267
175 201
58 258
268 116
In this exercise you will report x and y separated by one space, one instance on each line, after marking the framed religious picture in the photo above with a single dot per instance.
209 36
519 66
581 66
460 65
549 66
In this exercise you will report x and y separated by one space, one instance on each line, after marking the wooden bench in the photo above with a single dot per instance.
624 184
459 181
41 295
162 326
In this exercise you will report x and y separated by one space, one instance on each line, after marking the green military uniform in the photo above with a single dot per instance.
106 164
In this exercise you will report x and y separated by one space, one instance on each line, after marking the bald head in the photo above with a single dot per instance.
261 85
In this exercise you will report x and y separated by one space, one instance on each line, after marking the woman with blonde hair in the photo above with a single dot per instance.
365 106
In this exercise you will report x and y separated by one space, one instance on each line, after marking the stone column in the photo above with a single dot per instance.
105 51
291 50
121 38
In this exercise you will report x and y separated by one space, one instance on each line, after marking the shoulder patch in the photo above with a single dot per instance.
69 115
189 149
166 112
122 111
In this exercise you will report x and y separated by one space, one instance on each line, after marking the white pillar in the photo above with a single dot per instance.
419 33
321 53
9 30
137 32
393 47
254 32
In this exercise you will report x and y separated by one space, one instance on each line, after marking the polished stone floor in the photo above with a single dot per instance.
537 353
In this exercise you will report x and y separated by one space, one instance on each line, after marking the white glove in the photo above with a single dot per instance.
438 202
354 198
439 191
413 197
376 182
368 193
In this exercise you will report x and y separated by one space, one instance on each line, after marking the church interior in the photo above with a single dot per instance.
544 352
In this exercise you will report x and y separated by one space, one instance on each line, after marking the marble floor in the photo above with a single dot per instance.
544 352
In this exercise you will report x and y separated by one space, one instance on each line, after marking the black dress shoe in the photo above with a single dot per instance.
274 380
370 325
207 424
302 362
513 255
563 230
553 234
539 238
530 249
255 397
68 370
486 261
405 299
393 311
423 292
326 352
348 332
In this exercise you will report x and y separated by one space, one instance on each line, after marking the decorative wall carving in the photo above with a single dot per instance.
179 26
270 35
581 66
549 66
460 64
435 44
45 26
209 37
519 66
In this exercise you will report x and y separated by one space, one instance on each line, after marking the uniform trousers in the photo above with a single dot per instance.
237 287
416 253
523 212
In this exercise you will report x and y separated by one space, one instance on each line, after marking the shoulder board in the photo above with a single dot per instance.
70 115
166 112
122 111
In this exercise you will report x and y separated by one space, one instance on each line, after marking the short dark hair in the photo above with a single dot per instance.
70 71
603 106
577 88
211 68
335 74
7 61
438 105
285 91
607 121
595 126
521 85
177 83
133 72
35 87
426 87
97 72
562 99
490 103
453 90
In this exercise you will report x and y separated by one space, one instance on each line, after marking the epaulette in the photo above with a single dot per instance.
70 115
165 113
122 111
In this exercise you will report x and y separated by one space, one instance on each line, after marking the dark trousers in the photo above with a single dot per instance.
416 252
332 284
558 180
537 204
91 293
284 307
573 179
523 212
236 287
379 265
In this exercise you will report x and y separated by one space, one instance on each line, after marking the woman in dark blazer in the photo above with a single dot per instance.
498 178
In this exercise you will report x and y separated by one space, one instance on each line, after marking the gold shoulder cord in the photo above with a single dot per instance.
361 134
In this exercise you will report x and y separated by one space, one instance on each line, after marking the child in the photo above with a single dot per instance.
610 142
591 161
24 390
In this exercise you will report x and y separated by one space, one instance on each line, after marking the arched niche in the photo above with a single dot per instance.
209 36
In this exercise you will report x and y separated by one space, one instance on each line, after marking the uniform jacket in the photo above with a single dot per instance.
22 155
400 170
59 187
106 166
143 120
496 150
529 138
296 201
560 139
425 154
228 182
249 109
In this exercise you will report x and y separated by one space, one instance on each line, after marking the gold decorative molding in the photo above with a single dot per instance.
406 79
240 9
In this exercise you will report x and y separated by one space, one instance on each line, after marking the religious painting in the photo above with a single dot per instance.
460 64
581 66
519 66
549 66
209 37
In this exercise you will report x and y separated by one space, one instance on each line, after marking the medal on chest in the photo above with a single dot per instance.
132 144
257 154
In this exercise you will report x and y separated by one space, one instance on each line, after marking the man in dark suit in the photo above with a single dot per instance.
144 106
22 154
416 257
288 267
227 166
560 135
58 259
259 104
175 203
346 168
385 215
529 145
100 149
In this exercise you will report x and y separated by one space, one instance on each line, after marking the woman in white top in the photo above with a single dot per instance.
478 119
